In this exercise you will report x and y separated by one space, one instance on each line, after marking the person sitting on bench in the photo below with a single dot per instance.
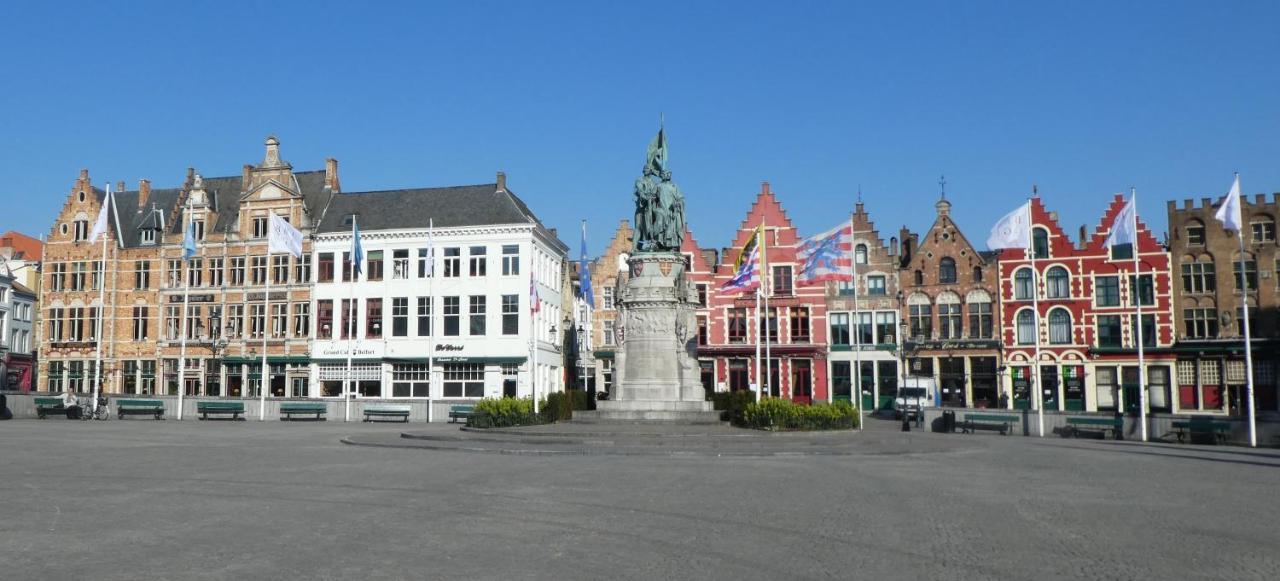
71 404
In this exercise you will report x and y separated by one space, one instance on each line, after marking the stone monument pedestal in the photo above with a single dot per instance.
658 377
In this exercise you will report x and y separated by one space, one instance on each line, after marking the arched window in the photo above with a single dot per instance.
1058 282
919 277
1026 327
1195 233
947 270
950 320
1059 327
1022 284
860 254
1040 242
980 314
977 274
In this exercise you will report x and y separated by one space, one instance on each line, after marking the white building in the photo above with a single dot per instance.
17 329
453 328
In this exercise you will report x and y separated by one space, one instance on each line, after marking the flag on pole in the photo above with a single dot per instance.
747 276
357 251
100 224
584 272
826 257
1229 213
282 237
534 302
429 264
189 242
1013 230
1124 228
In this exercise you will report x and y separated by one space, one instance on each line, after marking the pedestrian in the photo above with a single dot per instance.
72 404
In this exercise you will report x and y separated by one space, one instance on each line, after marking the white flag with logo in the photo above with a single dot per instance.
1229 213
100 225
1125 228
1013 230
283 237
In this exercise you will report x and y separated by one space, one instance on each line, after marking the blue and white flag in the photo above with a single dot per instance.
826 257
748 275
584 271
357 251
189 242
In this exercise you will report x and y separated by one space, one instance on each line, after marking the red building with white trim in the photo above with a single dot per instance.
1086 320
797 316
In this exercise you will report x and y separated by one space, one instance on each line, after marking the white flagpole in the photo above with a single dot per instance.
182 326
264 382
431 313
766 285
1136 292
102 305
533 338
857 326
1248 340
350 314
1038 396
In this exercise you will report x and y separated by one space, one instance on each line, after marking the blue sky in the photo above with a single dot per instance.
1084 99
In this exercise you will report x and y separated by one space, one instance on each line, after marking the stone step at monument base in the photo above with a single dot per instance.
641 411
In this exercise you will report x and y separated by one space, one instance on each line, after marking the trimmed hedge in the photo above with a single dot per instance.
785 415
558 406
503 413
731 404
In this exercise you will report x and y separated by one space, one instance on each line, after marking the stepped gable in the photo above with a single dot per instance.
699 258
1060 244
765 208
1098 241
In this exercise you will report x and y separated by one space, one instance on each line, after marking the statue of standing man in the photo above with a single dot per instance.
659 218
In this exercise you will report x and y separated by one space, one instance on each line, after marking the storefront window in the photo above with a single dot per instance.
413 380
464 380
841 379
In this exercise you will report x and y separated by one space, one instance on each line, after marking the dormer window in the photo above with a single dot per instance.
147 237
348 220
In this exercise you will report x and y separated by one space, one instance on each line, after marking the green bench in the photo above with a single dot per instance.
1002 423
231 408
44 405
1202 429
1077 424
290 409
461 411
150 407
386 411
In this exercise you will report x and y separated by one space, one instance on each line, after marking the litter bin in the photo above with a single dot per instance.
947 424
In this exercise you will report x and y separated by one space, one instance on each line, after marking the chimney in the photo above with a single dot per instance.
191 175
144 192
1083 233
331 174
502 182
120 186
82 182
244 177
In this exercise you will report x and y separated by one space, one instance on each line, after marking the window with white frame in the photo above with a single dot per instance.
463 380
510 259
410 380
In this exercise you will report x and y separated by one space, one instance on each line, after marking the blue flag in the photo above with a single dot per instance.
189 242
584 273
357 251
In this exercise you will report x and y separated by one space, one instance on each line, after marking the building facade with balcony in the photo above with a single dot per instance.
453 324
1206 260
950 314
865 336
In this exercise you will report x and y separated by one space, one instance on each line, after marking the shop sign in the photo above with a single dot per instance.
340 352
448 347
275 296
192 298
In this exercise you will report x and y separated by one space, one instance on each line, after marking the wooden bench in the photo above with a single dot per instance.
1077 424
232 408
290 409
1002 423
386 411
461 411
1211 429
150 407
44 405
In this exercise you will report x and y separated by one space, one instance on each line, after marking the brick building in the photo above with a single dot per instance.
226 319
1086 324
608 276
949 311
795 323
1210 369
866 336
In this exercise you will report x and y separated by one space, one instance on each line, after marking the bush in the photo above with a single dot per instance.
732 404
581 399
558 406
786 415
503 413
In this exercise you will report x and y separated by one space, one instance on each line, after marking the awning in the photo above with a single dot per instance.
280 359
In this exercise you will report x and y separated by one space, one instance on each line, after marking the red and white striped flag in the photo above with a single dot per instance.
535 304
826 256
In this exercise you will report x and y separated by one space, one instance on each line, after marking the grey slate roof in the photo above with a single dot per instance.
449 207
131 220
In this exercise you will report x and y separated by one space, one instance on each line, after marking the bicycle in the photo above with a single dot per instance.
87 413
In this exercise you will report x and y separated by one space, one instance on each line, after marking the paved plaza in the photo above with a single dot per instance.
246 500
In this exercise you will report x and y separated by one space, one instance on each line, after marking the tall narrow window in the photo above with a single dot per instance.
921 319
279 320
1022 284
258 272
347 318
301 320
140 323
947 270
452 262
141 274
326 267
280 270
1250 275
477 306
237 271
782 280
840 334
1108 330
216 270
373 265
452 316
799 325
737 326
860 254
1026 327
1040 242
1144 288
510 259
980 320
324 319
510 314
424 316
399 316
1058 283
1059 327
886 326
373 318
425 267
400 264
479 260
302 269
949 321
606 296
260 227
